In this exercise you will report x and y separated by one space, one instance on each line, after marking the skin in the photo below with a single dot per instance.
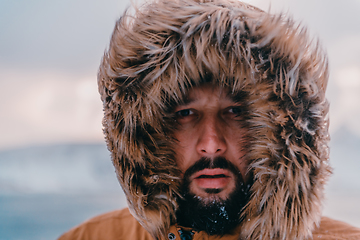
209 125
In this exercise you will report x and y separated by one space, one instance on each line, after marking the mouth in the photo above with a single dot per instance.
211 179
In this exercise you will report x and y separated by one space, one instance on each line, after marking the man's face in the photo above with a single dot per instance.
210 152
210 127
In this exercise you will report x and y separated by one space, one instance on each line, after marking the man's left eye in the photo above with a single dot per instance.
235 110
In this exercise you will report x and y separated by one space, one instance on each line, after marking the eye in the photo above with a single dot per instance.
185 116
184 113
235 110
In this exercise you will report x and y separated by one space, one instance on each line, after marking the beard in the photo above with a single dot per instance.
215 216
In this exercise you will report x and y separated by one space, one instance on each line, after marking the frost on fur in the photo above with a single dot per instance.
167 47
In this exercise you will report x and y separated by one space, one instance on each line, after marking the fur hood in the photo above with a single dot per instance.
168 46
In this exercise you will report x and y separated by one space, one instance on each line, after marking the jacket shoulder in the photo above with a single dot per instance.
331 229
119 225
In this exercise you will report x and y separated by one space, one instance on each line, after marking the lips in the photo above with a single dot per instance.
212 178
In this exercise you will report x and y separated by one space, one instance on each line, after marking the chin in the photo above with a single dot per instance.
210 199
215 213
210 195
213 196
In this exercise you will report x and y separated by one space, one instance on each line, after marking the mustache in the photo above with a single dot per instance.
209 163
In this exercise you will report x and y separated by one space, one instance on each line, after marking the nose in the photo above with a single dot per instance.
211 142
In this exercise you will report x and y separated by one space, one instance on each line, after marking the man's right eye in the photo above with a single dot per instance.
184 113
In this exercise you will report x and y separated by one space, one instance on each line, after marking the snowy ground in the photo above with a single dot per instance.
46 190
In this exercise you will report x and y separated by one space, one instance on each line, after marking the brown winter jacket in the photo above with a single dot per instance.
168 46
121 225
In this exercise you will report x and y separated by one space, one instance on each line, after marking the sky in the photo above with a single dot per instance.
50 52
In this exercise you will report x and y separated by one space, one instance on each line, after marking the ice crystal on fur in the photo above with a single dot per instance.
167 47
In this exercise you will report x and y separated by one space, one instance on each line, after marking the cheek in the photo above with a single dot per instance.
182 149
238 147
185 147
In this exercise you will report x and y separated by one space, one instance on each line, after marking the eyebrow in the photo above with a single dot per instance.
186 100
238 97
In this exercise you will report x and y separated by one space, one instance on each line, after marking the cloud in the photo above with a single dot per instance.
45 107
344 107
62 35
50 52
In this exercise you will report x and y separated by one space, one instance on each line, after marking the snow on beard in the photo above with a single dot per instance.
217 216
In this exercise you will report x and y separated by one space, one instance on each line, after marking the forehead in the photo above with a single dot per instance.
211 93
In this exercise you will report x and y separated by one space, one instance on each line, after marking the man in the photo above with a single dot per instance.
216 119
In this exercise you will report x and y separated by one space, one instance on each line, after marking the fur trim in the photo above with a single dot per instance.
167 47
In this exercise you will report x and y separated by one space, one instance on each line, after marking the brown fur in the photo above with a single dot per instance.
156 55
